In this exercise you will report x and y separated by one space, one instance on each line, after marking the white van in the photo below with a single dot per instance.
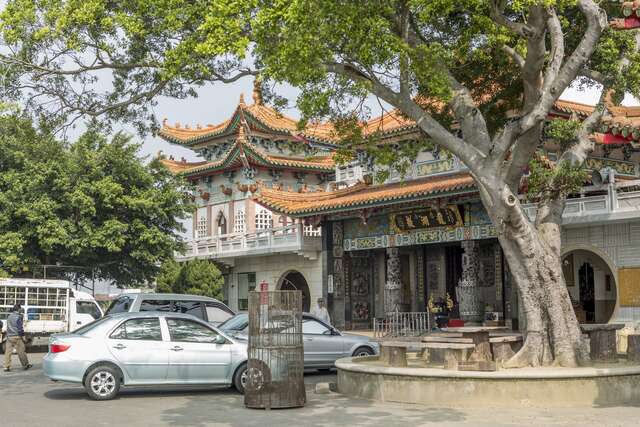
50 306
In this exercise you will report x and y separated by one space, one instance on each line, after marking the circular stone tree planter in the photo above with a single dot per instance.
537 387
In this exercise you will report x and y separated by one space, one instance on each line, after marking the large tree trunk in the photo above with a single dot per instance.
533 255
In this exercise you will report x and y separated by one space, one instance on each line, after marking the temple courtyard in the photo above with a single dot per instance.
30 399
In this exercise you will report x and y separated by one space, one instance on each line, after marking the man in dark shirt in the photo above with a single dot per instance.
15 339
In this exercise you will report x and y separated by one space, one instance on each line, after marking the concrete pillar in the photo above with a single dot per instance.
393 285
469 300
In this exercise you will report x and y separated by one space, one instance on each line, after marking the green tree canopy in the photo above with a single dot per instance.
92 203
198 277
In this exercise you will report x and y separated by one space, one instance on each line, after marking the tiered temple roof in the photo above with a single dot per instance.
236 137
243 153
363 196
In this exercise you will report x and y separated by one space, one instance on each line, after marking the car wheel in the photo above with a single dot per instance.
240 378
102 382
363 351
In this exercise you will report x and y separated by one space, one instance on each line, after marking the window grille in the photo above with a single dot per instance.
264 218
238 221
201 226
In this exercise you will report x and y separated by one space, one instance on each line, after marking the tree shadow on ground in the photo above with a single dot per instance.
320 410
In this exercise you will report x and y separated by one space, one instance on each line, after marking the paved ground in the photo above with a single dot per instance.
30 399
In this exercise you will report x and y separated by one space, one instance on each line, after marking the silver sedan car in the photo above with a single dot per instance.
146 349
323 344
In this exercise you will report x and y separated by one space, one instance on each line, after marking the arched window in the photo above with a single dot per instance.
222 224
238 221
264 218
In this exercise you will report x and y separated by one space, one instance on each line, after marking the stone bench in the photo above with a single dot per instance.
501 345
603 341
394 353
633 348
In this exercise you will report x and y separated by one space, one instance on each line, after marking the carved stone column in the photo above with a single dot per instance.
393 285
468 292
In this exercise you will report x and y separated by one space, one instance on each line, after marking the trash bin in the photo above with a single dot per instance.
275 374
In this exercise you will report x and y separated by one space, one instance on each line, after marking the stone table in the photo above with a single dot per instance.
480 338
602 340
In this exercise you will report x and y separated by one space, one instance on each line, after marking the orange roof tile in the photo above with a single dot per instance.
256 155
360 195
179 166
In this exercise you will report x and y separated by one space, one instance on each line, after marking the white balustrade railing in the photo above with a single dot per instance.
289 237
615 201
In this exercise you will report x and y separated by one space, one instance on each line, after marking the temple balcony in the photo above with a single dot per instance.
620 202
295 238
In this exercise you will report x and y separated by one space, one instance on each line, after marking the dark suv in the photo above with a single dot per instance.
208 309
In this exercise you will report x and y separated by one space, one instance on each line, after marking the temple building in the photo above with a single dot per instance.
250 243
273 206
427 238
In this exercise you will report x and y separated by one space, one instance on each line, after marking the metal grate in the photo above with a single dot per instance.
275 375
401 324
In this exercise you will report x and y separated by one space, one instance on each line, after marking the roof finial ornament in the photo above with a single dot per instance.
242 99
257 90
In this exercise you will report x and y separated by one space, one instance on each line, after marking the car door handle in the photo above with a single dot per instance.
119 346
176 348
308 339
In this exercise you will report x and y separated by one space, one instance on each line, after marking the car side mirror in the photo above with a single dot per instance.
220 340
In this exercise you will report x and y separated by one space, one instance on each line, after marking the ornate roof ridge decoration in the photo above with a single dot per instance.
263 119
362 196
631 16
244 151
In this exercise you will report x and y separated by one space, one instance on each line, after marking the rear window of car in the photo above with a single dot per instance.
90 326
120 305
193 308
156 305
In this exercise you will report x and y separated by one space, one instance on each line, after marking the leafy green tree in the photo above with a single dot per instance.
114 58
92 203
200 277
494 68
197 277
168 276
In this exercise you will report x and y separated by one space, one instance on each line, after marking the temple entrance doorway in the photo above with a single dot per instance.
591 286
294 281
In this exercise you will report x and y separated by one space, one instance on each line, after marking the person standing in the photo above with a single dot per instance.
321 312
15 339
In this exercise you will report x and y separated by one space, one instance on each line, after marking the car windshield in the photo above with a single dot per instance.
90 326
236 323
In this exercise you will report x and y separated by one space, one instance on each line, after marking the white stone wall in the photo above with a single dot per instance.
621 241
272 268
618 245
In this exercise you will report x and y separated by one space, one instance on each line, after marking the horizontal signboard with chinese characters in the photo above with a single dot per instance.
435 166
448 216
